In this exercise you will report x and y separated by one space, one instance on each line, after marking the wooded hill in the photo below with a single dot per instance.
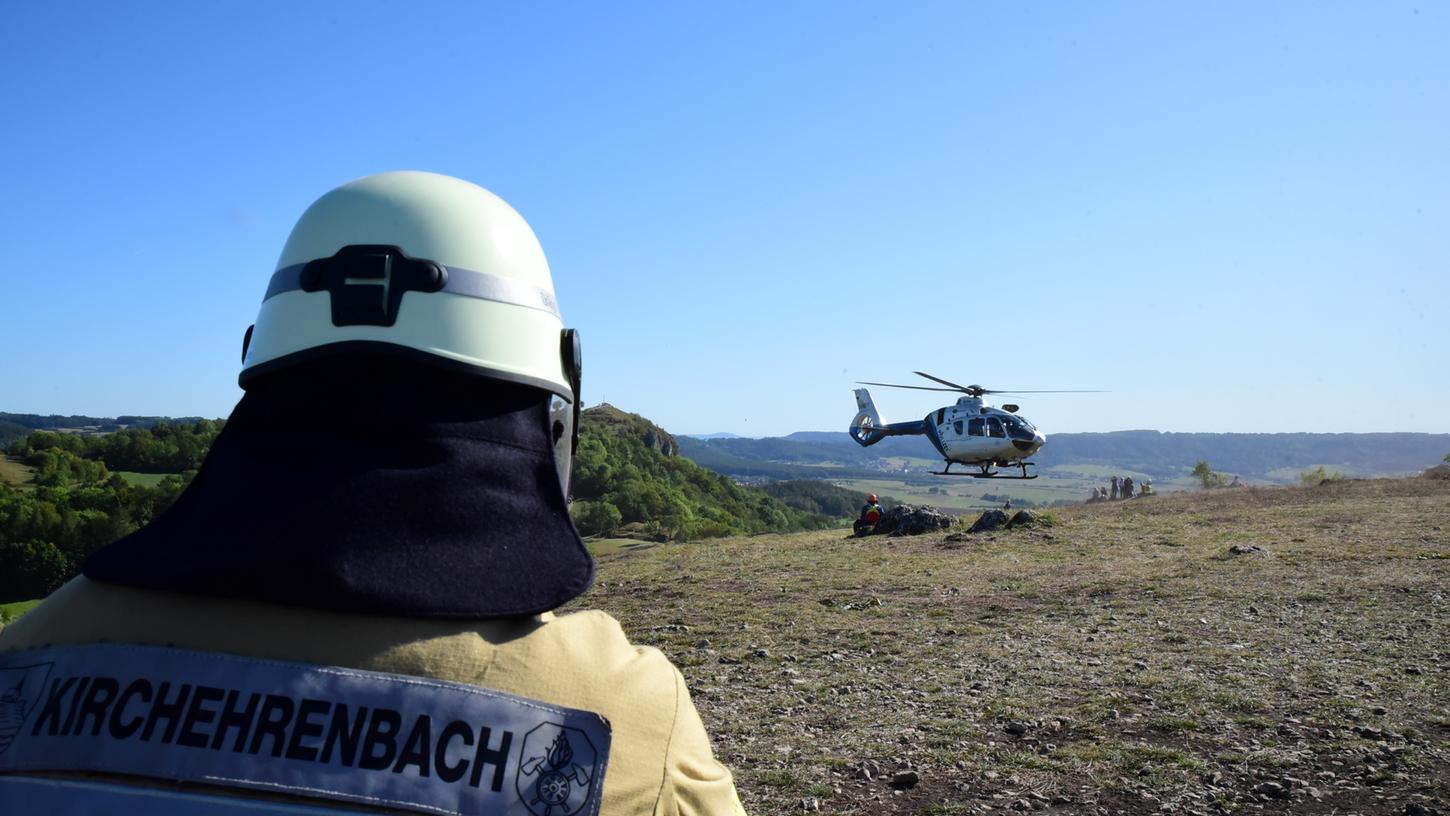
628 476
73 504
1162 455
69 500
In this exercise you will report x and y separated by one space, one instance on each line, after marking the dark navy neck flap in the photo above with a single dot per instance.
363 484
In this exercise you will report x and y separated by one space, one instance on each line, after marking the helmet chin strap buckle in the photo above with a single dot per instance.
367 282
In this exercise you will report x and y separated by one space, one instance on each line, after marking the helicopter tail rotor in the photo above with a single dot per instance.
866 427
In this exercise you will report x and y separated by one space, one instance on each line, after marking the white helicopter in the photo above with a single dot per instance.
971 432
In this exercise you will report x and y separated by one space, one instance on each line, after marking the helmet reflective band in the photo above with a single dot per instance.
423 265
415 262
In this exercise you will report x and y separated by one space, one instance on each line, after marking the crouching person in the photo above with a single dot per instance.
870 514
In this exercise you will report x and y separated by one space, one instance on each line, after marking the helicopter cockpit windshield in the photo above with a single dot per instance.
1018 428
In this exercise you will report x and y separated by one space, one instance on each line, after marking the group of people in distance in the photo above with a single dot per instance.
1121 488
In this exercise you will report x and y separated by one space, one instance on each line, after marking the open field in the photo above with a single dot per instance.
609 546
964 494
14 472
1120 661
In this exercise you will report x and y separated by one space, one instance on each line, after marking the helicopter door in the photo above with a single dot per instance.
994 428
957 426
974 427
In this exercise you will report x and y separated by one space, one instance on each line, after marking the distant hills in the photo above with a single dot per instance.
822 454
832 454
14 426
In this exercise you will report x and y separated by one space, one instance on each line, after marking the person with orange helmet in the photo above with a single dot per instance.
870 514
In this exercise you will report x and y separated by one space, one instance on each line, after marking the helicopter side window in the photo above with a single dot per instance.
957 426
941 416
974 426
994 428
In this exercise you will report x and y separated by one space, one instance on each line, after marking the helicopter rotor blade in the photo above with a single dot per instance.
913 387
968 389
975 390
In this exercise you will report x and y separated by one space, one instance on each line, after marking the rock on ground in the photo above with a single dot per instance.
1023 518
906 519
990 520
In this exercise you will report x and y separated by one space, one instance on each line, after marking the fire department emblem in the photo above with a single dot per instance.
20 690
557 770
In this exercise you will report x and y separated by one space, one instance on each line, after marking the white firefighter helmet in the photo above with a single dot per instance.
420 265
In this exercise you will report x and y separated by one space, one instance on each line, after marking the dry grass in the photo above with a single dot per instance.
1146 668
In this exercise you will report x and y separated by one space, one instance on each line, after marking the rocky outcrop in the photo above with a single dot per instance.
615 421
989 521
906 519
1024 518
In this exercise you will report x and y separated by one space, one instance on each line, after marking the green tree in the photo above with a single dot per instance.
1207 476
1319 475
33 569
595 517
621 464
76 505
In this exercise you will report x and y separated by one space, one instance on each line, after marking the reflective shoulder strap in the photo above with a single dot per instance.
311 732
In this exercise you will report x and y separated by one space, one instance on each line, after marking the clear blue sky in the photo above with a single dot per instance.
1236 216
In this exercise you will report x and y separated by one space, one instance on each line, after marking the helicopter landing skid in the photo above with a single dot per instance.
985 472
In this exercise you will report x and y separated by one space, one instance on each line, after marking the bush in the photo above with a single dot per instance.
1319 476
76 506
595 517
1207 476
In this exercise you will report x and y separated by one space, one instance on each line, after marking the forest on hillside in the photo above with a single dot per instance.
75 502
626 480
626 476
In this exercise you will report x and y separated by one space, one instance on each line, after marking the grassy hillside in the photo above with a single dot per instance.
1054 487
1122 661
822 498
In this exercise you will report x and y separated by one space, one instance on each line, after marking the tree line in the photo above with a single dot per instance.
76 503
164 448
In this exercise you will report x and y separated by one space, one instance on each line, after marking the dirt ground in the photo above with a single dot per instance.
1124 660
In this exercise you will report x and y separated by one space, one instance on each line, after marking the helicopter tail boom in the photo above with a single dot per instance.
868 428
